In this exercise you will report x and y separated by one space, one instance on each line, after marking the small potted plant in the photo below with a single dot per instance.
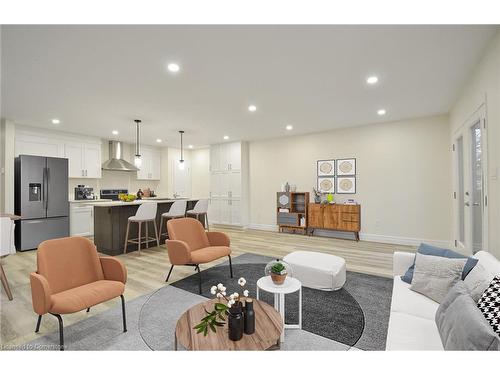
278 273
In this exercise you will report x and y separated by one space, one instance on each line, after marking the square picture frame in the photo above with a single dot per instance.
325 167
346 167
326 184
346 185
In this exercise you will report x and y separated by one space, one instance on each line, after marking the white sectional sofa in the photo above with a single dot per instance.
411 323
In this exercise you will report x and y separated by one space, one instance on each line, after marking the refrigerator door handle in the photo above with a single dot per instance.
44 188
47 184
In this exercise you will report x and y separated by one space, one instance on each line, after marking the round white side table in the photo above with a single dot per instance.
289 286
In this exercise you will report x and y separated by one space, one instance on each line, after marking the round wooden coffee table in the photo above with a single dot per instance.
268 328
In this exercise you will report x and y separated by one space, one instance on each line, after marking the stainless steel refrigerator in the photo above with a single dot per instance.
41 199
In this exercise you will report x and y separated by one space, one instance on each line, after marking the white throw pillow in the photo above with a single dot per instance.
478 280
434 276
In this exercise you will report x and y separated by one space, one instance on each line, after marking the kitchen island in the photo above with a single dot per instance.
110 224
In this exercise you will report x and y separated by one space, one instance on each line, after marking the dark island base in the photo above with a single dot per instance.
110 227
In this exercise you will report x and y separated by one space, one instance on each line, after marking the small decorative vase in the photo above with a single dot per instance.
249 317
235 322
287 187
278 279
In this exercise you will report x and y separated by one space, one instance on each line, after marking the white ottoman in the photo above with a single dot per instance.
317 270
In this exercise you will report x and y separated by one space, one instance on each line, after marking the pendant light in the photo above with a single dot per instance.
182 165
137 156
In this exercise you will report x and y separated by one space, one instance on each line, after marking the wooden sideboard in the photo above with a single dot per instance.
341 217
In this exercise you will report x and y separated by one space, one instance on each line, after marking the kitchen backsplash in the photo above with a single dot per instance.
116 180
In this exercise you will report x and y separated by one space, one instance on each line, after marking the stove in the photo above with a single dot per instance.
112 193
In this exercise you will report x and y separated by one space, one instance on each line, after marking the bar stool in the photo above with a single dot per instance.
146 213
177 210
200 208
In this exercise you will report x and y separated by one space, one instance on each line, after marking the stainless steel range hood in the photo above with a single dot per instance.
116 161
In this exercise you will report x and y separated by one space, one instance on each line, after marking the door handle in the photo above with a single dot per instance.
47 195
475 204
467 204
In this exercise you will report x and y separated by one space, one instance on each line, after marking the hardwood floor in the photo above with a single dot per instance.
147 272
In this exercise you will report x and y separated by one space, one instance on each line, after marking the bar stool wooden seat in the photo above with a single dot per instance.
200 208
146 213
177 210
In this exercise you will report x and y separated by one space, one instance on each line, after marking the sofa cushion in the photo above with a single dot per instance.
440 252
480 277
489 304
81 297
461 324
435 276
409 332
407 301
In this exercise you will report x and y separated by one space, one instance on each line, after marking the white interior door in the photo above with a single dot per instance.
470 192
182 179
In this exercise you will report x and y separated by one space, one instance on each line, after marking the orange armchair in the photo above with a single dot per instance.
72 277
190 245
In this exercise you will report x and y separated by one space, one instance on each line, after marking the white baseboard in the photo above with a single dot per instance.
410 241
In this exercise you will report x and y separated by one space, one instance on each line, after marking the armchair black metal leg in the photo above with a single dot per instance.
61 331
199 278
230 266
169 272
123 312
88 309
38 323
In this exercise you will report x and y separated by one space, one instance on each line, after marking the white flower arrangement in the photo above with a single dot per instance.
216 318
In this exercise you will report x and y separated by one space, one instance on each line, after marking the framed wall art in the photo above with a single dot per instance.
346 167
326 167
346 185
326 184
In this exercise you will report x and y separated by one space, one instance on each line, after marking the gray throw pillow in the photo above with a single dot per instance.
461 324
435 276
440 252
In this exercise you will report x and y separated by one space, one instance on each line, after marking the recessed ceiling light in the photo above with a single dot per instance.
190 146
115 132
381 112
226 137
372 80
173 67
158 140
56 121
289 127
252 108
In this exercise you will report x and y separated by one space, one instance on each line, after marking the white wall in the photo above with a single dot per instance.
7 131
483 89
200 173
403 176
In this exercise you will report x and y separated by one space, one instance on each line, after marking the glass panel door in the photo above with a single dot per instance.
460 194
476 196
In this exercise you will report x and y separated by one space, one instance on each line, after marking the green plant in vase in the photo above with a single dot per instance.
278 273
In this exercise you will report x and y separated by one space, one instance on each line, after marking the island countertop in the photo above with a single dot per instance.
111 219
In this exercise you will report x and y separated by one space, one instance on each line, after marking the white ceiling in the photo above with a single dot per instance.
99 78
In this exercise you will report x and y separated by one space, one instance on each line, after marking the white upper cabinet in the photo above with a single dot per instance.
27 144
74 153
225 157
84 159
92 160
150 164
233 151
83 154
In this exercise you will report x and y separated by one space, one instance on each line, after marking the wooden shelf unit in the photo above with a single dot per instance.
339 217
297 205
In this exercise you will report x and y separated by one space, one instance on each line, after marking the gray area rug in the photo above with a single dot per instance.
357 315
151 320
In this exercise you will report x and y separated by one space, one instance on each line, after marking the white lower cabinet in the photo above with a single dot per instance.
224 211
81 219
